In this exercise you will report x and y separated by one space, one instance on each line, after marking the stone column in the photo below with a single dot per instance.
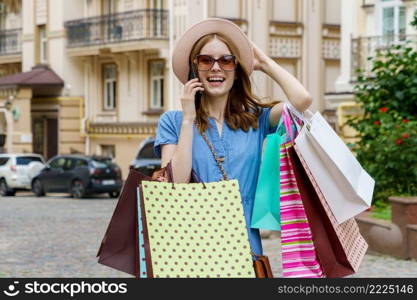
312 64
197 11
258 19
8 131
348 28
404 214
22 122
28 35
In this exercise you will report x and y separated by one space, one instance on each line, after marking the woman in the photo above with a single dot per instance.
234 121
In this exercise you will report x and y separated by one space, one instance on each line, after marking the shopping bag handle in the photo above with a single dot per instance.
288 119
305 117
167 174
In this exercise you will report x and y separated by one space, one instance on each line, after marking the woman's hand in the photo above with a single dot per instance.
188 96
260 58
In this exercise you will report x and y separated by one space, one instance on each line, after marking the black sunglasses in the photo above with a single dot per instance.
206 62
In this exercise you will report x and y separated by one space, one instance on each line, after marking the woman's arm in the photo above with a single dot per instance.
295 91
181 154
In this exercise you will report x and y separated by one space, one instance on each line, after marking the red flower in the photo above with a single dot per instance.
405 135
377 123
399 141
406 121
383 109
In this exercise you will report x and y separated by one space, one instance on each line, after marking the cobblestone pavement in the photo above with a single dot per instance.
57 236
373 266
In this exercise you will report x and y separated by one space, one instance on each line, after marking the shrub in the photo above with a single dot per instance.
387 132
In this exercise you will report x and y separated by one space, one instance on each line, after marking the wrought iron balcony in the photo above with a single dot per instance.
365 47
10 41
115 28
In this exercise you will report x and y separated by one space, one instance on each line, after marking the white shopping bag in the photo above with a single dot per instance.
346 186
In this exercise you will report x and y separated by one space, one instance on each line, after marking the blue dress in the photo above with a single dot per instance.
242 152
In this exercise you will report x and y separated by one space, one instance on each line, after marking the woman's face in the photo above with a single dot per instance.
216 81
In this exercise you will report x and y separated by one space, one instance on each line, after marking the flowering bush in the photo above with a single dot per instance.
387 132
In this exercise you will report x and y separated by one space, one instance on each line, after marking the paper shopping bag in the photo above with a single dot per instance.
145 269
347 187
329 250
347 233
266 206
118 248
197 230
298 251
265 213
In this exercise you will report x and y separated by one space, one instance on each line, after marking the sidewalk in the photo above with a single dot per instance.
58 236
373 265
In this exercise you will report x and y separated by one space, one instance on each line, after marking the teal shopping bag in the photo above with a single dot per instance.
266 207
265 213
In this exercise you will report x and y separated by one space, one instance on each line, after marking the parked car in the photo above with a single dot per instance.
78 175
17 171
146 161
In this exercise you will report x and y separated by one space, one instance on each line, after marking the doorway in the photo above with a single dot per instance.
45 136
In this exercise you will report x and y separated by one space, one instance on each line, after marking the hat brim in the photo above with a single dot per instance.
182 50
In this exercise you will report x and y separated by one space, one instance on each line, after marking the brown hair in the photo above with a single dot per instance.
243 107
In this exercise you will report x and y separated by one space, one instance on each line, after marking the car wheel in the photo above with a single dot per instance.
77 189
37 188
114 194
4 189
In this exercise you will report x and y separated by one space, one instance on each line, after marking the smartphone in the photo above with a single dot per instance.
197 100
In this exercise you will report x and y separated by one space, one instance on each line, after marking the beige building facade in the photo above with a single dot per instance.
367 25
301 35
113 57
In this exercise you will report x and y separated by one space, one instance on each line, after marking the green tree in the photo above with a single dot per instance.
387 131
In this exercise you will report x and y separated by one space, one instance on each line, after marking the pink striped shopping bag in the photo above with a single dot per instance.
298 253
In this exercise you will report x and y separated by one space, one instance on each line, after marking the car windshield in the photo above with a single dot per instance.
25 160
101 162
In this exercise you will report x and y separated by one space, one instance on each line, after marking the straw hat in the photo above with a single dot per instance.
181 54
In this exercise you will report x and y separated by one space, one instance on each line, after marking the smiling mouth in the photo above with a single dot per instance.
215 79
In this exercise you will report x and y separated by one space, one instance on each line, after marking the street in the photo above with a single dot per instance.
58 236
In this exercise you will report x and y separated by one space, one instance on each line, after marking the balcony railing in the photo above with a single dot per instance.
10 41
122 128
115 28
365 47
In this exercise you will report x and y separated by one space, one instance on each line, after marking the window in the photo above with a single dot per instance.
108 7
393 20
43 45
3 16
108 151
25 160
69 164
3 161
110 86
57 163
157 84
157 18
81 163
3 38
101 163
